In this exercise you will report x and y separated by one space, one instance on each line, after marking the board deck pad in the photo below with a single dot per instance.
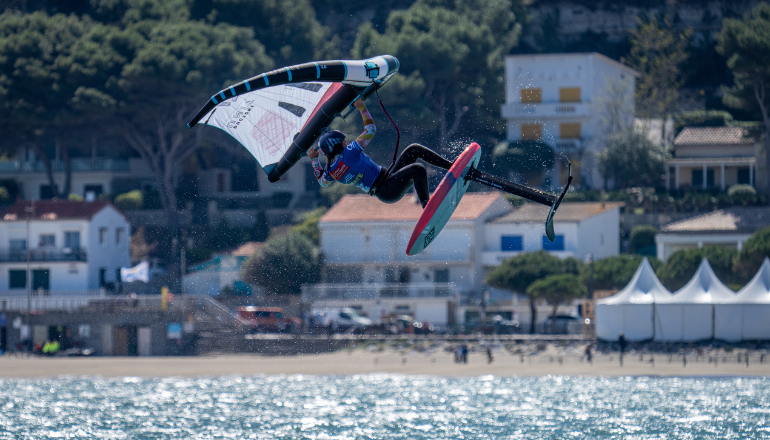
444 200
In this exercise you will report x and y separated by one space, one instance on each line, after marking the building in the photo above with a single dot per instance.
726 227
364 241
581 229
220 274
712 158
91 176
567 101
65 246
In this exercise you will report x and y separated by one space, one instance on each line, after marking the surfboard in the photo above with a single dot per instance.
444 200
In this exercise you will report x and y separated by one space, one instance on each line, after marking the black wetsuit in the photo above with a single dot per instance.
391 186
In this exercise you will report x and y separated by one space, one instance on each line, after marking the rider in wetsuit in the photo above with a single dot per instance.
347 163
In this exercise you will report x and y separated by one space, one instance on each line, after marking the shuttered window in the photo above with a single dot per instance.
531 96
569 94
531 132
569 131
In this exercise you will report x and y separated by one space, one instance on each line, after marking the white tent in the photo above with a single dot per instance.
747 316
631 311
689 314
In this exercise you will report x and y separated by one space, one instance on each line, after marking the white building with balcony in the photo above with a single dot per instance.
61 246
364 241
581 229
567 101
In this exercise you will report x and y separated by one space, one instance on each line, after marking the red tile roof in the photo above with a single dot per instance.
713 136
567 212
53 210
365 208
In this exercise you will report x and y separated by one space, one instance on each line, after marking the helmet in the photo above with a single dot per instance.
330 140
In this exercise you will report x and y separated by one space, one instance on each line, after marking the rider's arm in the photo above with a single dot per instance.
324 178
369 128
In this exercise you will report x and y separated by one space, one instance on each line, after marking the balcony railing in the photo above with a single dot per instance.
568 145
495 258
554 109
77 165
374 291
42 254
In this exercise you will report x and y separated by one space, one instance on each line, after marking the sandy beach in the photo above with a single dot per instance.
361 362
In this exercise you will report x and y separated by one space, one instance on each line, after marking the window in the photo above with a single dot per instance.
569 131
531 132
46 192
569 94
531 96
390 275
404 275
102 276
17 279
96 190
72 239
511 243
47 240
18 244
102 235
744 176
441 276
557 245
118 235
697 178
117 275
41 279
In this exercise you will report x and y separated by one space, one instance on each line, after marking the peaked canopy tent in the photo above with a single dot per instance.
747 316
688 315
632 310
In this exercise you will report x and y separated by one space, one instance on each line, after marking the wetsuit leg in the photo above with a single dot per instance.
417 151
400 181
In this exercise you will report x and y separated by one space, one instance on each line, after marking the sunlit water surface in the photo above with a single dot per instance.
386 406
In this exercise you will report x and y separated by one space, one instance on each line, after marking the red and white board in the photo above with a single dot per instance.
444 200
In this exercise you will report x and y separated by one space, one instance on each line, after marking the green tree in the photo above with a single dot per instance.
614 273
682 265
306 223
38 87
752 254
701 118
658 53
642 239
261 228
557 290
156 72
746 44
519 272
631 159
523 157
288 28
451 54
283 264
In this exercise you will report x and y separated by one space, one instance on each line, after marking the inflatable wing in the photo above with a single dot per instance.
278 115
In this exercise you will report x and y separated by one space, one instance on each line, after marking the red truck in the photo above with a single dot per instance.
269 319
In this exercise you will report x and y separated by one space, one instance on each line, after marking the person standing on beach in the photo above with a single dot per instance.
489 355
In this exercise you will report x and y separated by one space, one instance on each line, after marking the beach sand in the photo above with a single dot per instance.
361 362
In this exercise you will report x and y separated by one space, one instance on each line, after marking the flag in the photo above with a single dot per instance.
140 272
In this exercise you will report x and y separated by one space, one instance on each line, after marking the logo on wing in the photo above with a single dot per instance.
430 236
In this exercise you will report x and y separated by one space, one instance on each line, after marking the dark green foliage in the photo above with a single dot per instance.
129 201
658 54
642 240
753 253
701 118
614 273
284 264
682 265
451 55
522 157
746 44
261 229
519 272
557 289
631 159
306 224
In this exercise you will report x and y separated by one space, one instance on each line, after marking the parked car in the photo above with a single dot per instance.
343 319
562 325
269 319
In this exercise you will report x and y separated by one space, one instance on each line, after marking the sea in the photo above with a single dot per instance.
385 406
